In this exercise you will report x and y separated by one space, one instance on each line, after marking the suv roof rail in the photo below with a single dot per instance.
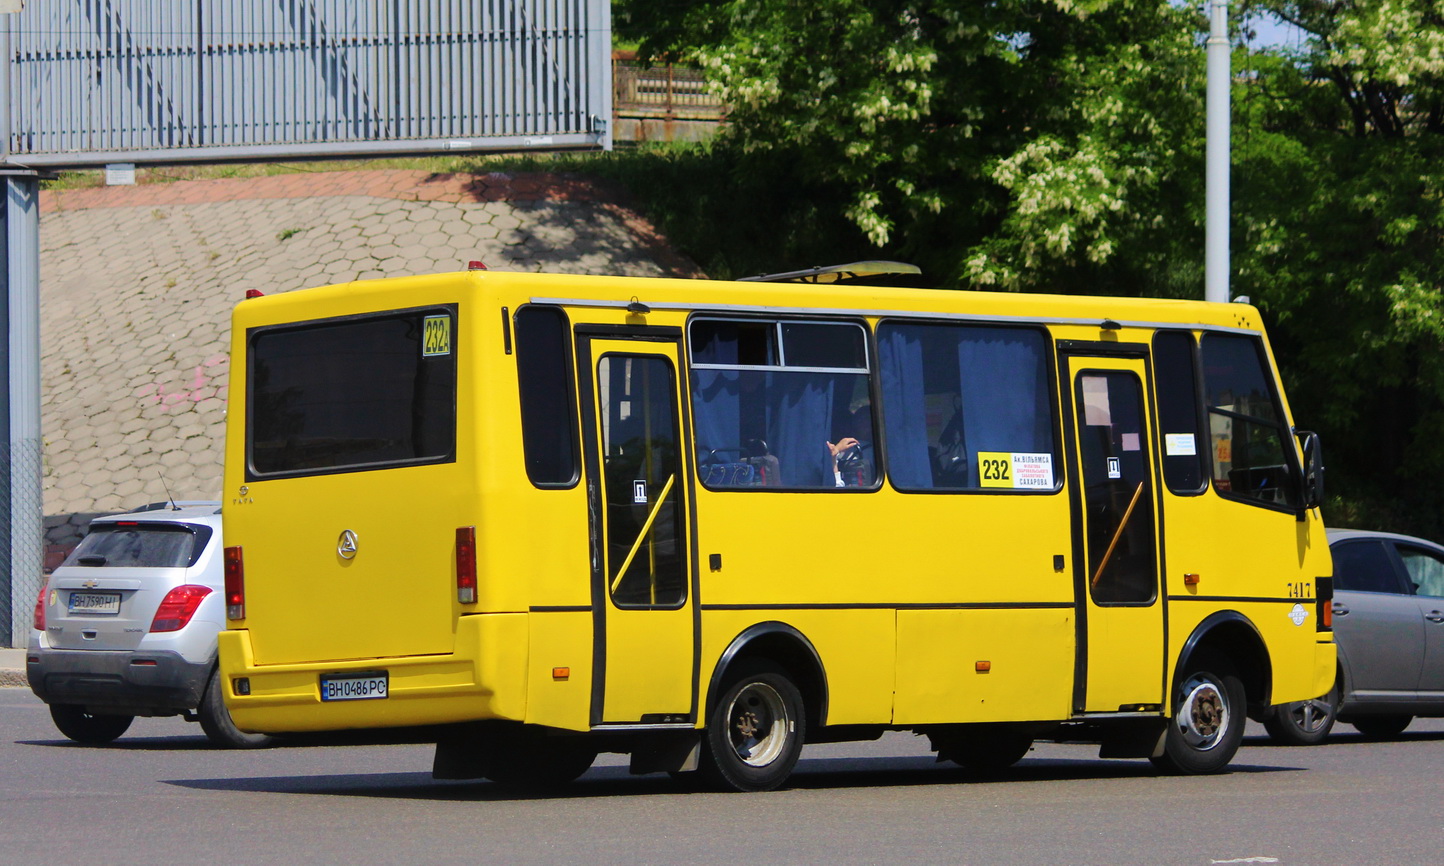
836 273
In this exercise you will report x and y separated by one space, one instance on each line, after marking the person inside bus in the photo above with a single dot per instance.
851 454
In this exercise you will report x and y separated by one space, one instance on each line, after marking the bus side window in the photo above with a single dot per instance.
548 404
769 396
964 406
1245 423
1174 373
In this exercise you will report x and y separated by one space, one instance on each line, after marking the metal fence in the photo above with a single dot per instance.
662 89
97 81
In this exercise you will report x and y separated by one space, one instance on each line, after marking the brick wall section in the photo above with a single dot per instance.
137 284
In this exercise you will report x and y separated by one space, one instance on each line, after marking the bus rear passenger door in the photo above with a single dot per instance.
642 554
1121 623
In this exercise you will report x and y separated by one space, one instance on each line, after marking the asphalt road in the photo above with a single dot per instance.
162 794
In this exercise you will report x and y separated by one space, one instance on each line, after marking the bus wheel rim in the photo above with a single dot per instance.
758 725
1203 714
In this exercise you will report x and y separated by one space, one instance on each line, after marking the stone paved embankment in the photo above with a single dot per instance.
137 284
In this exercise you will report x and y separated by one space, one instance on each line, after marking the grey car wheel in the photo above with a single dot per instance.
1304 723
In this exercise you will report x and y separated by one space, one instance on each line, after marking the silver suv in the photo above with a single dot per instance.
127 625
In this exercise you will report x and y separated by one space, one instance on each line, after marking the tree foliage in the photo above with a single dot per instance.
1058 145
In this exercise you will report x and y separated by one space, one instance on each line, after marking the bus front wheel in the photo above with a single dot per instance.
754 736
1208 718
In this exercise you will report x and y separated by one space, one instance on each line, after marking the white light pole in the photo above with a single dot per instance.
1216 199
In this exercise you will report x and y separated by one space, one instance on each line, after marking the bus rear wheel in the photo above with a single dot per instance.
1208 719
754 736
530 762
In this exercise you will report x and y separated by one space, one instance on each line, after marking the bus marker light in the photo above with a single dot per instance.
466 564
982 667
475 265
254 293
1190 580
561 673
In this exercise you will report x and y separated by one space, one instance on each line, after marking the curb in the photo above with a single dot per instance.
13 679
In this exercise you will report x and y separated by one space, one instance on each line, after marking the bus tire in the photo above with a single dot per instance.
1381 727
990 752
755 734
216 721
1208 718
93 729
533 763
1304 723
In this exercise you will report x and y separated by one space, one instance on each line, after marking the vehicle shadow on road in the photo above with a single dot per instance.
610 781
1349 737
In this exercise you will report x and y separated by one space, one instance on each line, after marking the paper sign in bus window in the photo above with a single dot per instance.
1096 411
1015 470
435 336
1179 444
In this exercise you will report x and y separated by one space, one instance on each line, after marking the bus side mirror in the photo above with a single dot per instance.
1312 493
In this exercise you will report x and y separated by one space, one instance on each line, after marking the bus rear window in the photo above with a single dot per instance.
343 396
136 546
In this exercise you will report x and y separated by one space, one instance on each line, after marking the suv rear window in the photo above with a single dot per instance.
139 545
359 393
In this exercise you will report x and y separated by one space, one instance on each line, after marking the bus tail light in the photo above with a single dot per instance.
466 564
1325 602
40 608
235 584
178 606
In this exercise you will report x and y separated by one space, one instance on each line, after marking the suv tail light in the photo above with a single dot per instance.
235 584
178 606
466 564
40 607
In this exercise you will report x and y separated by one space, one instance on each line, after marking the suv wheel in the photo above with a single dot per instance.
90 728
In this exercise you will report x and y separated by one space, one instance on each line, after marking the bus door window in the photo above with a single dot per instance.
641 467
1113 451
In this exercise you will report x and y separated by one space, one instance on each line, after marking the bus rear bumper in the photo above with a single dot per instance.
484 678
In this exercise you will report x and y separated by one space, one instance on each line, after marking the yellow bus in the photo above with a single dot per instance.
706 523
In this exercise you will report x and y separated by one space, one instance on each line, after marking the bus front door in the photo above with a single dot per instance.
1121 664
643 665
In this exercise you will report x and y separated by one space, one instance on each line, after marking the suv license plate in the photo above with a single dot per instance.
366 687
103 603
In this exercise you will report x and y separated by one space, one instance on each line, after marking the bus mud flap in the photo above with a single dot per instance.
1140 738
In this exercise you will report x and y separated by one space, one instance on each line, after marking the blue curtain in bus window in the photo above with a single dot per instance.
799 418
1003 381
900 354
715 408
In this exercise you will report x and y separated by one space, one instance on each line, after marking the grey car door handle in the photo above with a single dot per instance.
1434 616
1340 610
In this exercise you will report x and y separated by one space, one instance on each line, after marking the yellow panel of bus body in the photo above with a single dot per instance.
984 665
484 679
855 647
559 677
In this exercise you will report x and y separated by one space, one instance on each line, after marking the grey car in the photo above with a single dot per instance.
127 626
1389 626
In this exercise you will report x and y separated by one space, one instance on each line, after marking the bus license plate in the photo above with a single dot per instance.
102 603
367 687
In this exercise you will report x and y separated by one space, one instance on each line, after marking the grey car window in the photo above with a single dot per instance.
1365 566
1426 570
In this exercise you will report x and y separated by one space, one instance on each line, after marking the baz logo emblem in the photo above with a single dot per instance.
346 545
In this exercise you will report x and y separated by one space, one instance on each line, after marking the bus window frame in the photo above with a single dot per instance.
1289 442
790 318
1050 363
569 367
253 334
1200 411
